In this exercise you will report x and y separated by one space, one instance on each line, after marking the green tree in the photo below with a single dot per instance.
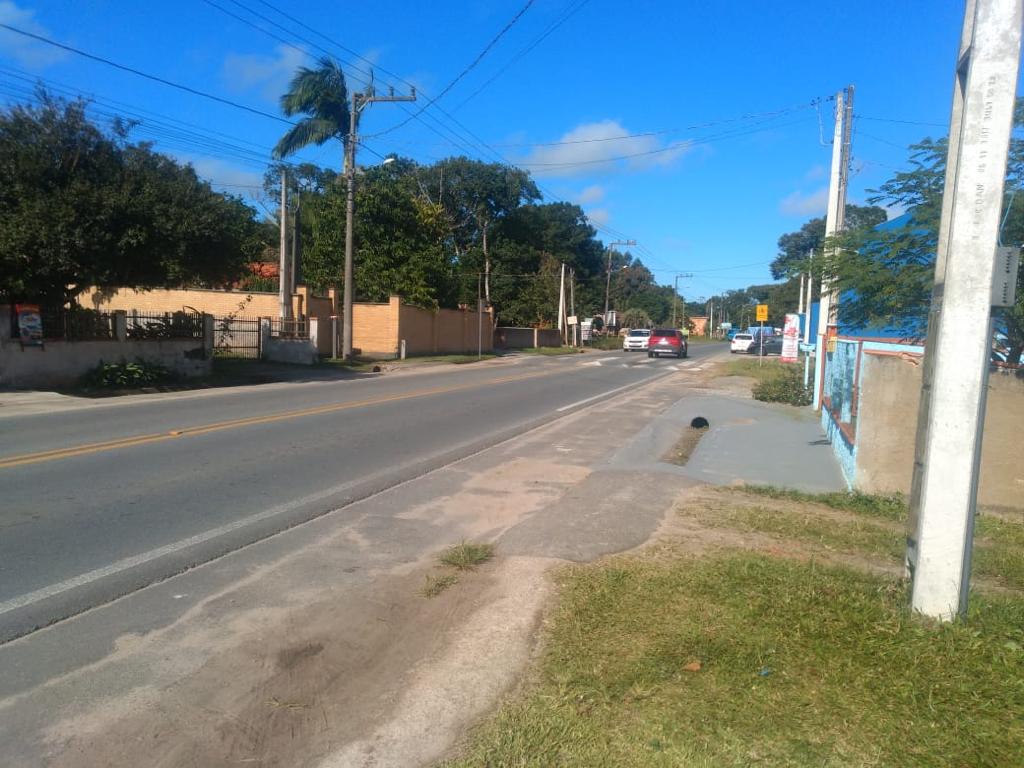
890 273
636 318
795 246
475 197
398 240
80 206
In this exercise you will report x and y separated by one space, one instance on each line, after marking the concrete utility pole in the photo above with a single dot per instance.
955 375
283 290
359 102
572 304
608 282
835 218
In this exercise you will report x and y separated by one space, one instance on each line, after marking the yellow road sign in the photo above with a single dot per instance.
762 313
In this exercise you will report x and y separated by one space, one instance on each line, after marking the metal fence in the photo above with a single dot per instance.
168 325
281 328
235 336
75 324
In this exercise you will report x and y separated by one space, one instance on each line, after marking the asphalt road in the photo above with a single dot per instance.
100 501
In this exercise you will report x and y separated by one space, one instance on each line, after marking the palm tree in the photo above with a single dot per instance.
321 95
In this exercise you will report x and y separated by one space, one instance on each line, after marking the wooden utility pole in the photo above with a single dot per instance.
359 102
608 281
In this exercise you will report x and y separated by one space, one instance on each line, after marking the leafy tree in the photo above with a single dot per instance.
636 318
475 197
80 206
795 246
399 240
889 273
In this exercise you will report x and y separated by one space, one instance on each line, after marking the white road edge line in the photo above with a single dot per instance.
594 397
142 558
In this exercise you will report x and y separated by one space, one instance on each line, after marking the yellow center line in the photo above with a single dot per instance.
203 429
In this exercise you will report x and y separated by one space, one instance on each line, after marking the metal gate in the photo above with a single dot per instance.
235 336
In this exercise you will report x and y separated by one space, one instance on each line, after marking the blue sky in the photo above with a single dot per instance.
724 90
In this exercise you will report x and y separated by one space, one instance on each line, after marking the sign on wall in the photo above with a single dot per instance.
30 325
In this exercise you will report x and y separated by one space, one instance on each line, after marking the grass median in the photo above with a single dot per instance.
738 657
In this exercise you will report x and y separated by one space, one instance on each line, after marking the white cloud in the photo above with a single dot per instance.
267 75
598 216
810 204
815 172
598 147
24 50
592 194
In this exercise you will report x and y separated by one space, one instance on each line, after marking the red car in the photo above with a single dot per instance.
666 341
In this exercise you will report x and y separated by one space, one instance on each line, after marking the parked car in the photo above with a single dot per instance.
666 341
765 345
636 339
741 342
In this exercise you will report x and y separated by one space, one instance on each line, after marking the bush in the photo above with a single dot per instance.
785 387
604 342
126 375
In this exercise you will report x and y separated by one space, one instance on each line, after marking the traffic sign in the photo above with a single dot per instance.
762 313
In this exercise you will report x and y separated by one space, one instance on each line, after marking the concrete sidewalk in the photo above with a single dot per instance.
747 442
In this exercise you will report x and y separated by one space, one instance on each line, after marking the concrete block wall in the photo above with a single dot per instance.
877 453
508 337
62 363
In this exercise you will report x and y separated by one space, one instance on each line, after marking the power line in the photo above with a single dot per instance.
146 75
762 116
570 11
457 142
252 25
684 144
904 122
472 65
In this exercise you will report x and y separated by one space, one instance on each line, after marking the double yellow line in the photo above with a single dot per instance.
203 429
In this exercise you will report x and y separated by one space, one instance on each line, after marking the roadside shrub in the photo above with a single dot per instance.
785 387
126 375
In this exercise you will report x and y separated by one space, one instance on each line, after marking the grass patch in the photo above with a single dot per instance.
467 555
769 370
855 537
885 506
998 544
435 584
799 665
680 453
551 350
453 359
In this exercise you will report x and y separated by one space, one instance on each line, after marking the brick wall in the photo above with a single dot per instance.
375 328
213 302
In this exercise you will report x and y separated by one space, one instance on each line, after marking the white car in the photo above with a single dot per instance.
636 340
741 342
